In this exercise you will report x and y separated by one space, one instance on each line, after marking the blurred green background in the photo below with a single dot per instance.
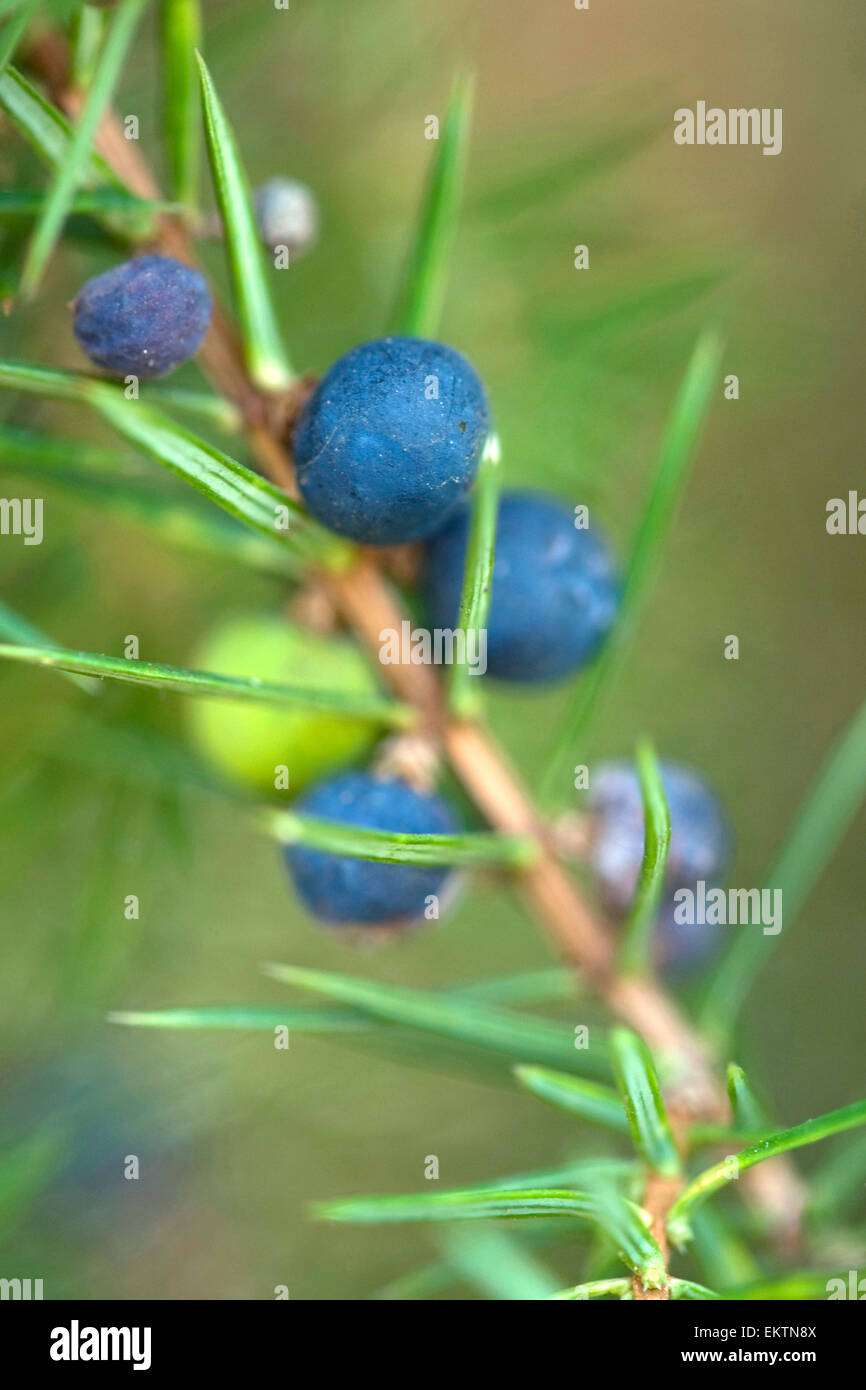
573 144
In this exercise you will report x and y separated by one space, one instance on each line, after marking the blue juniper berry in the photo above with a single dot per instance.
143 318
388 444
555 588
700 849
338 889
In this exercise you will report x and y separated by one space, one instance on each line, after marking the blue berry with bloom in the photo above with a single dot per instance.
700 849
389 442
555 590
143 318
344 891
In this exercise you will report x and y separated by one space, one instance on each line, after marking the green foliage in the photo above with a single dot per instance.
598 1104
469 1205
49 133
477 578
14 31
473 850
242 493
268 365
419 300
708 1182
838 1183
121 31
745 1107
619 1219
99 202
675 455
181 35
510 989
720 1251
24 1171
596 1288
17 628
162 518
87 34
497 1264
821 821
198 683
238 1016
641 1094
269 531
636 948
482 1025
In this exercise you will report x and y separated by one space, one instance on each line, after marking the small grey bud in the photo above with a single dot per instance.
287 215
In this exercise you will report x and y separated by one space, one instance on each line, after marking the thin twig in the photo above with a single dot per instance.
658 1198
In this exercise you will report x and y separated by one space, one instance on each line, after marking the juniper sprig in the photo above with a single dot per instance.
395 444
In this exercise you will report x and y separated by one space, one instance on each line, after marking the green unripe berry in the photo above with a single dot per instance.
247 742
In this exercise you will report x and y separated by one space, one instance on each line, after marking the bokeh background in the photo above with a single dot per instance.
573 144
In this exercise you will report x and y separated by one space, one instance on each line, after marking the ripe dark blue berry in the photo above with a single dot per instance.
389 442
700 849
337 889
143 318
555 588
